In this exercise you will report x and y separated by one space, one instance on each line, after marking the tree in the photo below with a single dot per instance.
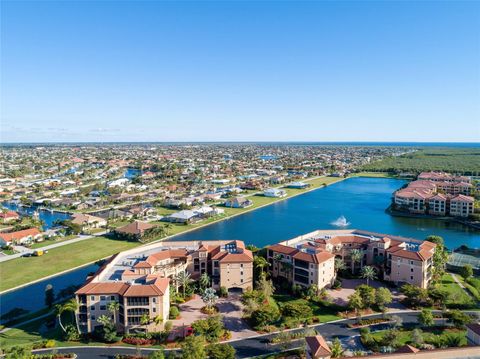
265 286
355 302
210 297
220 351
204 281
356 256
383 297
183 279
20 352
417 337
425 318
367 294
145 320
211 329
194 348
369 273
260 263
113 307
49 295
459 318
397 321
336 348
466 271
312 291
339 266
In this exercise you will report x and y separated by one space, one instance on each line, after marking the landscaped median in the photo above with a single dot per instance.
21 271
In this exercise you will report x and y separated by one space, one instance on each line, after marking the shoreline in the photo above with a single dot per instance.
247 210
395 213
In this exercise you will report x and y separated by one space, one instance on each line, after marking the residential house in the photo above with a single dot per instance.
9 216
24 236
275 192
134 230
238 202
87 221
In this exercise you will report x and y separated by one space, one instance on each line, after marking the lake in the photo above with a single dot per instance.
361 200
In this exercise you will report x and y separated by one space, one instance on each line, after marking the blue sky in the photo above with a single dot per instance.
240 71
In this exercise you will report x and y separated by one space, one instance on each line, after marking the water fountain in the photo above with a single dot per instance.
340 222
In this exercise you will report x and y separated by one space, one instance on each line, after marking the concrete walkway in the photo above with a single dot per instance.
454 276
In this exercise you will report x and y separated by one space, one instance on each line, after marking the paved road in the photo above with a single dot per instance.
250 347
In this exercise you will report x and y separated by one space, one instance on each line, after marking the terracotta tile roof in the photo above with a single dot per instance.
280 248
407 349
13 236
462 198
103 288
318 346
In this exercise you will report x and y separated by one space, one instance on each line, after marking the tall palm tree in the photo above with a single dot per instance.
356 255
339 266
204 281
260 263
369 273
69 306
114 307
183 279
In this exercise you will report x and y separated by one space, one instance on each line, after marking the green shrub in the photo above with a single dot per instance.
174 312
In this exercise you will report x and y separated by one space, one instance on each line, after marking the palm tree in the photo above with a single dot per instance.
260 263
204 281
184 280
69 306
356 255
339 266
168 227
113 308
145 320
369 273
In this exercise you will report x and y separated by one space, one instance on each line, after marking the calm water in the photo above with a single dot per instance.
131 173
361 200
47 217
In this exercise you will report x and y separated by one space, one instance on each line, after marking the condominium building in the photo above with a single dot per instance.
437 194
309 259
140 279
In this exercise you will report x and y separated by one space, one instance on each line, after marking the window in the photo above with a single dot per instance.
154 309
102 297
92 297
411 270
411 262
154 300
241 265
92 307
92 317
103 307
411 277
241 273
112 297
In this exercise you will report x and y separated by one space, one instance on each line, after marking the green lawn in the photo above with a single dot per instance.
456 293
48 242
23 270
325 314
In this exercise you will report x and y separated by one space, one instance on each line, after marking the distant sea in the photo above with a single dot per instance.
276 143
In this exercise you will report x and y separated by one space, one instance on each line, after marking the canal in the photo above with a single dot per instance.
362 201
